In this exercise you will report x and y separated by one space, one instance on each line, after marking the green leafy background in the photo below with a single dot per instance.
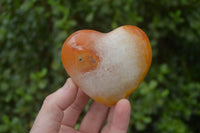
31 36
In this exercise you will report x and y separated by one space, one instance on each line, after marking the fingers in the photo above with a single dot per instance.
72 113
51 113
118 118
94 119
106 128
121 117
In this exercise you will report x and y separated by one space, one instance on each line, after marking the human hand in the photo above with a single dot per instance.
60 112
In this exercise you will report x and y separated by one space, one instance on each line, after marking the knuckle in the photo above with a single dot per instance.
48 99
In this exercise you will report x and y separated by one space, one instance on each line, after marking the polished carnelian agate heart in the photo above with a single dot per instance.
107 66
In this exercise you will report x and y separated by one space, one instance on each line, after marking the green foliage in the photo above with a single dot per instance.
31 36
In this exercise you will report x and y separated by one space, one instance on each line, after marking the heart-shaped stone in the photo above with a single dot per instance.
107 66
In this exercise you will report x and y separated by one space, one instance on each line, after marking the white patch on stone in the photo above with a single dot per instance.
118 69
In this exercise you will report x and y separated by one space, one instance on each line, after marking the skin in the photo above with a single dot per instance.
60 112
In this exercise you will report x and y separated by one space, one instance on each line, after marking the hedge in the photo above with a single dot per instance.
31 36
